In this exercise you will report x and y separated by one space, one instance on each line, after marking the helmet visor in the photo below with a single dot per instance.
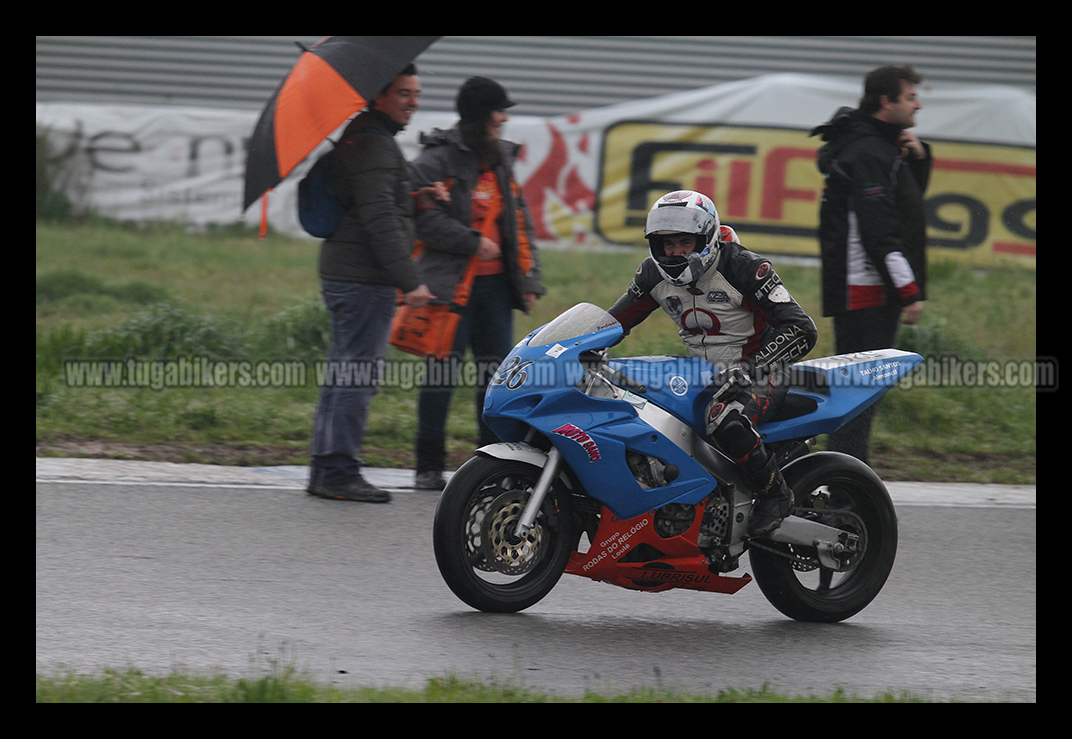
675 219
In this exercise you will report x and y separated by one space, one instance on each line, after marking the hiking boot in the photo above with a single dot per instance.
360 490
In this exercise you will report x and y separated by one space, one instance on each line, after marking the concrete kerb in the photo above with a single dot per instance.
295 477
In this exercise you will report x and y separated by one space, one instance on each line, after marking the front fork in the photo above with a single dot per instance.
547 478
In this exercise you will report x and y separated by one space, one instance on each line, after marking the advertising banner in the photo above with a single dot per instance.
590 177
980 202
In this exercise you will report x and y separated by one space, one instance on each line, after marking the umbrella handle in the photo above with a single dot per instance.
264 216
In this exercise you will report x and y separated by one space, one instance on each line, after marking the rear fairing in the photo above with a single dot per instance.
827 392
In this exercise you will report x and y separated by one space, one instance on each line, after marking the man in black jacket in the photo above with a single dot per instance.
872 224
363 266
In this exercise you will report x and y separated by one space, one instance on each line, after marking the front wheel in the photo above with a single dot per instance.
479 556
839 491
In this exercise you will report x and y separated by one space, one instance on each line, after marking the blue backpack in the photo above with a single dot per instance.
319 211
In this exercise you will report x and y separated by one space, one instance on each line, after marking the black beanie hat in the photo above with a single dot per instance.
479 97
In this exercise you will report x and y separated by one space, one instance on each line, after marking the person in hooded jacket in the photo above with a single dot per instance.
730 308
486 217
872 224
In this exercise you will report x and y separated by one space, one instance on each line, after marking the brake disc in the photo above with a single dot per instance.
503 551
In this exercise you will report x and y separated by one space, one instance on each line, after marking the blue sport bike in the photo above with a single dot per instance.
605 472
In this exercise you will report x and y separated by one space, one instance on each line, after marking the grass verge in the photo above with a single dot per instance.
287 686
158 295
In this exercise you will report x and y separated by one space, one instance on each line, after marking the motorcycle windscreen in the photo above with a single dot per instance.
580 320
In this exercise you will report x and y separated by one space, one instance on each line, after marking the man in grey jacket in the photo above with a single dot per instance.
362 267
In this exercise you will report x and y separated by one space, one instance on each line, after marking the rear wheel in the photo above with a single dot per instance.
479 555
843 492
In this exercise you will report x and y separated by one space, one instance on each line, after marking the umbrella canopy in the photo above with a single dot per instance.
335 78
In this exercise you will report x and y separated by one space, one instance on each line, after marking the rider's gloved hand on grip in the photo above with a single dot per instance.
732 377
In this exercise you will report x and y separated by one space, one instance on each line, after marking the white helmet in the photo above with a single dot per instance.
688 212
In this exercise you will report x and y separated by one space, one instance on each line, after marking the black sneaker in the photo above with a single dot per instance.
359 490
432 480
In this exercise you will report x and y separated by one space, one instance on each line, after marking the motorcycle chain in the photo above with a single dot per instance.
798 562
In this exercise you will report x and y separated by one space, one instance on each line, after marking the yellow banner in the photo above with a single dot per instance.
764 182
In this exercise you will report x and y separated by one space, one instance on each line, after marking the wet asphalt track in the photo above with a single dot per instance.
201 568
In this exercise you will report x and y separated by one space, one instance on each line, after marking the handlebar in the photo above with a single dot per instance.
595 360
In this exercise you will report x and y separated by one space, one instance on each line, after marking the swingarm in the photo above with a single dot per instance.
836 549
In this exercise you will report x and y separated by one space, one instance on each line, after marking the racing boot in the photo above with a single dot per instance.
774 499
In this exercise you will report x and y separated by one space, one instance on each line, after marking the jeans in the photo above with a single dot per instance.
360 325
487 327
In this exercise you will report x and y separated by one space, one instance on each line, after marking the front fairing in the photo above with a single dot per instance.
678 384
536 385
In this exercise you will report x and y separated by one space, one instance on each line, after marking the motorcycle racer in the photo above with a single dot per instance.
730 308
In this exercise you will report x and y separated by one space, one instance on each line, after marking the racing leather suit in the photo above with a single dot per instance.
740 317
737 314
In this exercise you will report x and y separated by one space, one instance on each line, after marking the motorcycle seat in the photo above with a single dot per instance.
808 379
